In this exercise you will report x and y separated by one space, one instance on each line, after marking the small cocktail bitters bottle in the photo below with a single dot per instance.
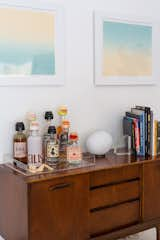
34 142
74 153
20 143
62 112
52 146
63 139
49 119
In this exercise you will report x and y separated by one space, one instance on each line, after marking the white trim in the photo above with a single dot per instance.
99 18
41 80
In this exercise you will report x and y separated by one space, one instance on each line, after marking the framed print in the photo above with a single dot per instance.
123 50
31 44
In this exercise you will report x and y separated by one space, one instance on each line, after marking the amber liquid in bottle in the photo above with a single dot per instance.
20 144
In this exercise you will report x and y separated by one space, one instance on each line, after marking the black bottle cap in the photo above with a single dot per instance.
20 126
48 115
52 130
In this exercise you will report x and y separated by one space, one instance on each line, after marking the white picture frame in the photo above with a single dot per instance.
56 79
99 77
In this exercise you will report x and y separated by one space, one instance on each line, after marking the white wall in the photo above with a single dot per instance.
90 107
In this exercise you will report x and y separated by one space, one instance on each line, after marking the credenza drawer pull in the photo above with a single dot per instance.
59 186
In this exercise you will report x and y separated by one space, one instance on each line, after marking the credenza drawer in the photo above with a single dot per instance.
112 218
115 175
113 194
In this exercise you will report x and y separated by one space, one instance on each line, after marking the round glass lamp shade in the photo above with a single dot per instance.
99 142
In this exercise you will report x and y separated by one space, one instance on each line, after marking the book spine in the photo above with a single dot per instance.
152 134
155 137
137 136
158 138
142 135
133 139
146 132
149 131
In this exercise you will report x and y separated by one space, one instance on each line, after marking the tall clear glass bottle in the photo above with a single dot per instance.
20 143
34 143
52 146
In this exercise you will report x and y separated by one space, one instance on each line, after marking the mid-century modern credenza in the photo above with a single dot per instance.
117 197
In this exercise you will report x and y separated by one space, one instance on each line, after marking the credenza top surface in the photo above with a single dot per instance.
111 161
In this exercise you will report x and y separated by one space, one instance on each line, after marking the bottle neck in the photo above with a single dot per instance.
34 132
65 130
53 136
73 142
48 122
62 118
19 131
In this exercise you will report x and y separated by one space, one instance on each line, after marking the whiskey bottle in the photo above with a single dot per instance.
20 143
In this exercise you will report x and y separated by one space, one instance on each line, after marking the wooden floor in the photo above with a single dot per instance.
147 235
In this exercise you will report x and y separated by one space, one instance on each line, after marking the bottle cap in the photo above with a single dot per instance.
34 126
31 116
20 126
65 124
48 115
52 129
73 136
62 111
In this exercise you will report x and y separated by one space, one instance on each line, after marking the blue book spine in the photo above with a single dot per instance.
142 134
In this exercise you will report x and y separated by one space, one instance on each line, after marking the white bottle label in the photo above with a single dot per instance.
35 156
52 150
20 149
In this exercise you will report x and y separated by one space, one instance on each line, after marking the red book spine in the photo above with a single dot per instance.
137 135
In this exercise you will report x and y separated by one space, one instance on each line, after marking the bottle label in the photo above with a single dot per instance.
74 153
52 150
20 149
35 160
64 138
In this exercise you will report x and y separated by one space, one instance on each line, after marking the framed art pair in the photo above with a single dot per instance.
32 47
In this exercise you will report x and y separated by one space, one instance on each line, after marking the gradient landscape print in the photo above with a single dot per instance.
26 42
127 49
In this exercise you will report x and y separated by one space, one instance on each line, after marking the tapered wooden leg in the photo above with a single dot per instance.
158 232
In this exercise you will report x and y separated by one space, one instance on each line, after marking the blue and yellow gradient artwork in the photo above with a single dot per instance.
127 49
27 39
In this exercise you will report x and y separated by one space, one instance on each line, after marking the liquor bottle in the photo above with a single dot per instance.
74 153
34 142
63 139
52 146
20 143
62 112
48 122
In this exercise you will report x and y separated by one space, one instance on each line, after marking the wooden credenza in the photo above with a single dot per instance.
117 197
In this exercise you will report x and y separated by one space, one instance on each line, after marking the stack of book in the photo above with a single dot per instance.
144 130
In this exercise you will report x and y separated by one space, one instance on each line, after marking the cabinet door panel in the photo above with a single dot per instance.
59 209
151 194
